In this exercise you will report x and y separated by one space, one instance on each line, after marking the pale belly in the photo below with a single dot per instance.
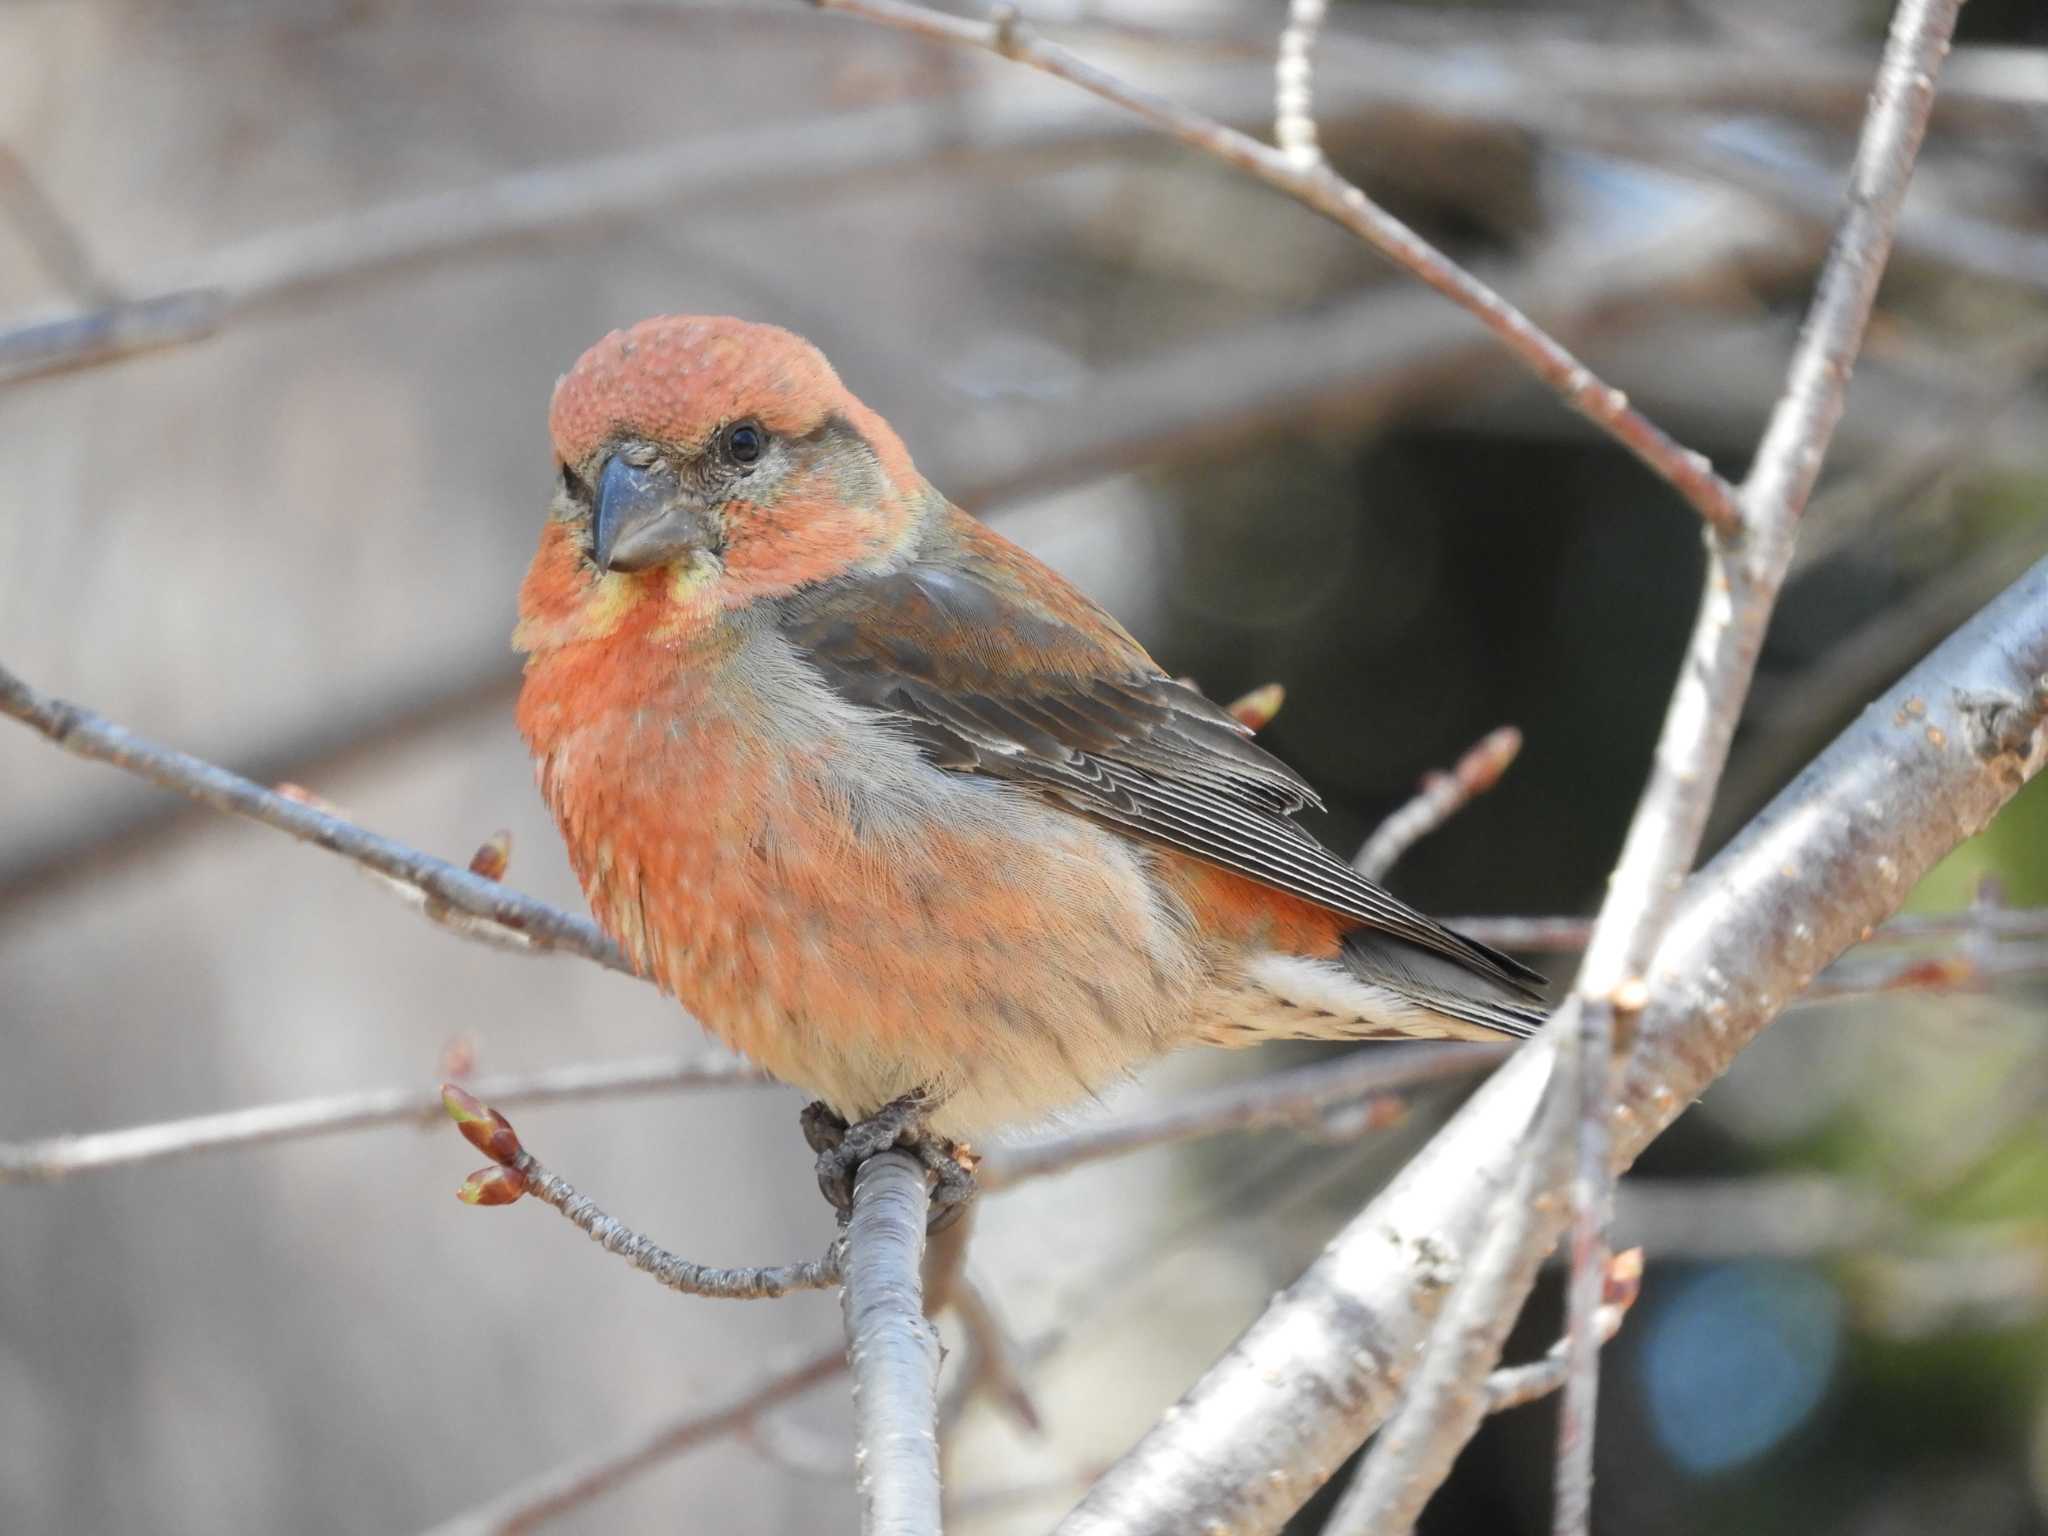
863 925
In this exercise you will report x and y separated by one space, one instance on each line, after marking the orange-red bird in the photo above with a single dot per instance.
884 801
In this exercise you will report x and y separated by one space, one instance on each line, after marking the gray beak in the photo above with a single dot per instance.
643 519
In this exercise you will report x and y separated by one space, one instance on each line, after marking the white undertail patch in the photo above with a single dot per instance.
1289 997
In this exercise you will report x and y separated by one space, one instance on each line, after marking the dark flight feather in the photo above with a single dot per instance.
1090 720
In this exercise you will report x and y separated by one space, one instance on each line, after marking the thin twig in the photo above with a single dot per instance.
1321 189
1562 935
679 1274
59 1157
93 736
1692 748
1369 1083
517 1173
893 1350
564 1488
1515 1386
1294 121
1442 796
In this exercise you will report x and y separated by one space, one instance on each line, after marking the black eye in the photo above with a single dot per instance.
577 491
744 442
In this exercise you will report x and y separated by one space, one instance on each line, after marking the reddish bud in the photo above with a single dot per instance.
483 1127
1255 711
1623 1281
492 1186
1480 769
305 796
490 859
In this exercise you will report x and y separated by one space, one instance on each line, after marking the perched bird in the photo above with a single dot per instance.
887 804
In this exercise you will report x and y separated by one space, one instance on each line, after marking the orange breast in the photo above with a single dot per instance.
852 928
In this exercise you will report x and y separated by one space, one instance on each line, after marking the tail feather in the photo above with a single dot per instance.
1377 988
1441 985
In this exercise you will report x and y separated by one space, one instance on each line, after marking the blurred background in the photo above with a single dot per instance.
284 526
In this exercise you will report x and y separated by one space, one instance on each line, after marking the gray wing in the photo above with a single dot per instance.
1091 721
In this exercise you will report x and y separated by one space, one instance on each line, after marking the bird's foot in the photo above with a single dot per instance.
897 1125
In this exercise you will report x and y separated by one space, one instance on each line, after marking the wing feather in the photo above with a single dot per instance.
966 654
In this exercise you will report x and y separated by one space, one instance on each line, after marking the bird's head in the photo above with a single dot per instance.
706 463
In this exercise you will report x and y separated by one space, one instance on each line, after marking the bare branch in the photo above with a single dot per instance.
1321 189
1368 1084
518 1172
1562 935
1446 1398
1514 1386
562 1489
893 1349
1443 795
579 199
679 1274
1831 858
59 1157
93 736
1692 748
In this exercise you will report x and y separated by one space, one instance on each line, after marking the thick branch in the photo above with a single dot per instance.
1837 851
1741 590
893 1349
1447 1396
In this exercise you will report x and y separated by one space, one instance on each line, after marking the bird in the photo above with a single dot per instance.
886 803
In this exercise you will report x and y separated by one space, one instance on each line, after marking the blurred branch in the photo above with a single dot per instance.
58 1157
1321 189
1829 859
893 1350
1443 795
1742 586
1366 1084
1294 122
991 1367
579 199
58 246
89 735
1561 935
517 1172
562 1489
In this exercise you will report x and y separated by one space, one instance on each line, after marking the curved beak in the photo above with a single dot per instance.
643 519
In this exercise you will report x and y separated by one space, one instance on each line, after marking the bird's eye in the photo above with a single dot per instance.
574 488
744 442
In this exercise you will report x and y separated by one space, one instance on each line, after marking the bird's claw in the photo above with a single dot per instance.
897 1125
